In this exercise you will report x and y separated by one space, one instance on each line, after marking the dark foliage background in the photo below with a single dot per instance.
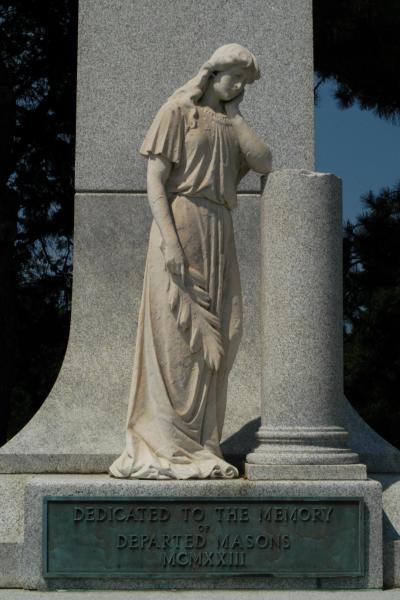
356 44
372 312
38 40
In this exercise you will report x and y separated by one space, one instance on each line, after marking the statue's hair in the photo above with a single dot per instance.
223 58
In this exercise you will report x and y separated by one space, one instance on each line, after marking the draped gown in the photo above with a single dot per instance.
188 335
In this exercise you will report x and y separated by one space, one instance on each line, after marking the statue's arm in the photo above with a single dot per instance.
158 171
257 153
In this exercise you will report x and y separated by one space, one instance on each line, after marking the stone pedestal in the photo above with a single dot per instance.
103 487
302 433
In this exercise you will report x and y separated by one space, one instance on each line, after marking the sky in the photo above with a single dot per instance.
359 147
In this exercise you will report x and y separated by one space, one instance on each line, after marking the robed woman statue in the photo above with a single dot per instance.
190 322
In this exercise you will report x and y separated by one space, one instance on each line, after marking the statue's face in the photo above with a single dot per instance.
230 83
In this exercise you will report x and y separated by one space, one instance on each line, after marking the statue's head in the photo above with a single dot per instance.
234 56
228 63
232 67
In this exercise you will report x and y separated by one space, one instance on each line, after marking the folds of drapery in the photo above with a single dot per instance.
187 339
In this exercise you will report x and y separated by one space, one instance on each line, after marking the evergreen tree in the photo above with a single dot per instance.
38 71
357 44
372 312
8 233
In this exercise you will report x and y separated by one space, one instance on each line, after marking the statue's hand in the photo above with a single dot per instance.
175 260
232 107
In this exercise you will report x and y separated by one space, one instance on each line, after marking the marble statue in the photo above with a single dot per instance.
198 148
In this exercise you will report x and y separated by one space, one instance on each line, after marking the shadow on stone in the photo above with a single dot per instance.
391 536
236 447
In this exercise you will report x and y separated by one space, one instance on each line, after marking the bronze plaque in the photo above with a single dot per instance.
196 537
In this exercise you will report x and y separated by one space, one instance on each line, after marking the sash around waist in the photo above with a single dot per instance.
193 198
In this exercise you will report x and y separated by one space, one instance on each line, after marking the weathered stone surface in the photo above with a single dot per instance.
101 485
10 565
132 56
12 489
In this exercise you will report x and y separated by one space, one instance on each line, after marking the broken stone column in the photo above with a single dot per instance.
302 434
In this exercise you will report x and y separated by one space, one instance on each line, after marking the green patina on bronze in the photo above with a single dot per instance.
193 537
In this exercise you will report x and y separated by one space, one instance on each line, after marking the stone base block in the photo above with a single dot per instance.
391 528
101 486
305 472
12 489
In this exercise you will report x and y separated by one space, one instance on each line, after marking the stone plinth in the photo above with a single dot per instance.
102 486
302 433
391 528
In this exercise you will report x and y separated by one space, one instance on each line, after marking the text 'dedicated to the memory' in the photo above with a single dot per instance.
189 537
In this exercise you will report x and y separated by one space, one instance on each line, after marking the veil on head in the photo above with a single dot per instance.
223 58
